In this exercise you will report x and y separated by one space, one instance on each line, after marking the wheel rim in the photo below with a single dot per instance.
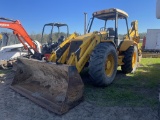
134 59
109 66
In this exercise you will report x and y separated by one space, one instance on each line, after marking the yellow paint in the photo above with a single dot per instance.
125 45
1 36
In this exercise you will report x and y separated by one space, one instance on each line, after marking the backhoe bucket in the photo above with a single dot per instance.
57 88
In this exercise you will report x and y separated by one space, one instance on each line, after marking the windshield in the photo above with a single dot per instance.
53 36
109 25
102 25
8 39
12 40
4 40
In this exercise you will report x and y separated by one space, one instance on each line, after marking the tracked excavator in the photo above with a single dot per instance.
57 85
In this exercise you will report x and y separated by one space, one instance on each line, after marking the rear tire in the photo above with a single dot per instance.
103 64
130 60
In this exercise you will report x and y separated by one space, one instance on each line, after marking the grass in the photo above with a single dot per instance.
139 89
4 71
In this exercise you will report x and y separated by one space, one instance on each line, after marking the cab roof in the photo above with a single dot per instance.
56 24
109 14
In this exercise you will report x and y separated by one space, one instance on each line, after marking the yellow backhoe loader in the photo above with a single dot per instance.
57 85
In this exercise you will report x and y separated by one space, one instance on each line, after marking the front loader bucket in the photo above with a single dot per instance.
57 88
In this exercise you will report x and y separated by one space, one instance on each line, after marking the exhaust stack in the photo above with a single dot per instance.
85 22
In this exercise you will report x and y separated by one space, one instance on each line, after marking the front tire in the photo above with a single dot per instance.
103 64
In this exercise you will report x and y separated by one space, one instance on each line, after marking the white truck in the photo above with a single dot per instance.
152 41
10 49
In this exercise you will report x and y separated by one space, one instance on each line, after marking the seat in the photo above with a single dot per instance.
61 39
111 32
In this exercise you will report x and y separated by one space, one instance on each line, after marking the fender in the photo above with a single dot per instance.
124 45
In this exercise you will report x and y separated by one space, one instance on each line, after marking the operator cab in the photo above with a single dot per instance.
111 20
55 37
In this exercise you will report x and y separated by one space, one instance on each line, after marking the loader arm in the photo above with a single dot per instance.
19 31
81 55
53 55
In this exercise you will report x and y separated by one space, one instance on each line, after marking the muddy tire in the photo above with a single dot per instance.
130 60
103 64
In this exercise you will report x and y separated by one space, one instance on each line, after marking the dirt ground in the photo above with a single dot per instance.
13 106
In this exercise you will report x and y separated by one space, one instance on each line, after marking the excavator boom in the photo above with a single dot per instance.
19 31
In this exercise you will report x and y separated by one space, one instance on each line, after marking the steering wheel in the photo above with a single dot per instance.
103 29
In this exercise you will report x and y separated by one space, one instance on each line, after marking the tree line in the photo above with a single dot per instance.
47 37
55 36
